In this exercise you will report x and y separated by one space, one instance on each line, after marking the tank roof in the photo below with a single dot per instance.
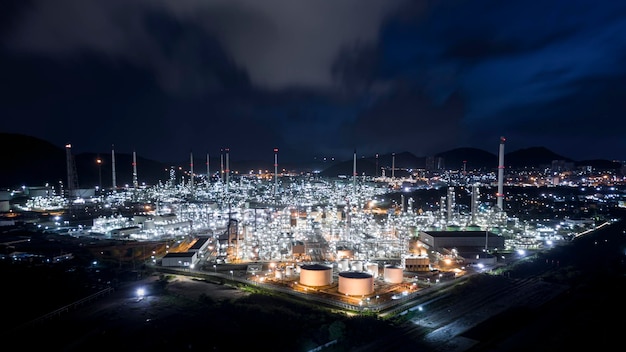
355 274
315 267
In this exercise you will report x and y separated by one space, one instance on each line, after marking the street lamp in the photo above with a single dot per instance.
214 268
231 275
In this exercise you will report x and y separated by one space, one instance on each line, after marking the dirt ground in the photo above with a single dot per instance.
124 317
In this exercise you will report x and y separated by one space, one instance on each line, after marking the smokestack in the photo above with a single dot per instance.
474 204
135 182
451 203
354 173
393 165
191 170
227 171
275 171
222 165
71 170
442 206
114 183
500 193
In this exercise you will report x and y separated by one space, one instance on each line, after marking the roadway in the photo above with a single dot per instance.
439 320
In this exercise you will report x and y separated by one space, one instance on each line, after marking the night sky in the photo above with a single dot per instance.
315 78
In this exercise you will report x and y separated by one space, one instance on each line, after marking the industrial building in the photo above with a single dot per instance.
469 247
441 241
180 259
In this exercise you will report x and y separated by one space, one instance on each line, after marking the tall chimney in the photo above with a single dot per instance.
222 165
354 173
191 170
208 170
135 181
114 181
275 171
227 171
71 171
474 205
500 193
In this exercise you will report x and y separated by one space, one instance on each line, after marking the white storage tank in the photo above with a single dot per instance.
357 265
278 274
355 283
372 268
393 274
289 270
316 275
343 265
149 225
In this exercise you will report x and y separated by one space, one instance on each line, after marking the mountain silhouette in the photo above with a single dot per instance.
30 161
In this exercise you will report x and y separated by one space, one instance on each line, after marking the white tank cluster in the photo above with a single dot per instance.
354 283
343 265
316 275
356 265
372 268
289 270
393 274
278 274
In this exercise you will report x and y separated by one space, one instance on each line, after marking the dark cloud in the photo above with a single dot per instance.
280 43
315 78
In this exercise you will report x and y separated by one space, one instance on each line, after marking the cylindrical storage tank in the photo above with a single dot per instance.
5 206
149 225
343 265
372 268
393 274
316 275
344 253
355 283
289 270
357 265
278 274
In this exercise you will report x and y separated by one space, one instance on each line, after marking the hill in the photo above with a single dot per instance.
470 158
31 161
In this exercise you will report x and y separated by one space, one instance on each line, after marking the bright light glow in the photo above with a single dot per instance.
141 292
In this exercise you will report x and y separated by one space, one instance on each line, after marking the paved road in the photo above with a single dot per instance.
442 320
